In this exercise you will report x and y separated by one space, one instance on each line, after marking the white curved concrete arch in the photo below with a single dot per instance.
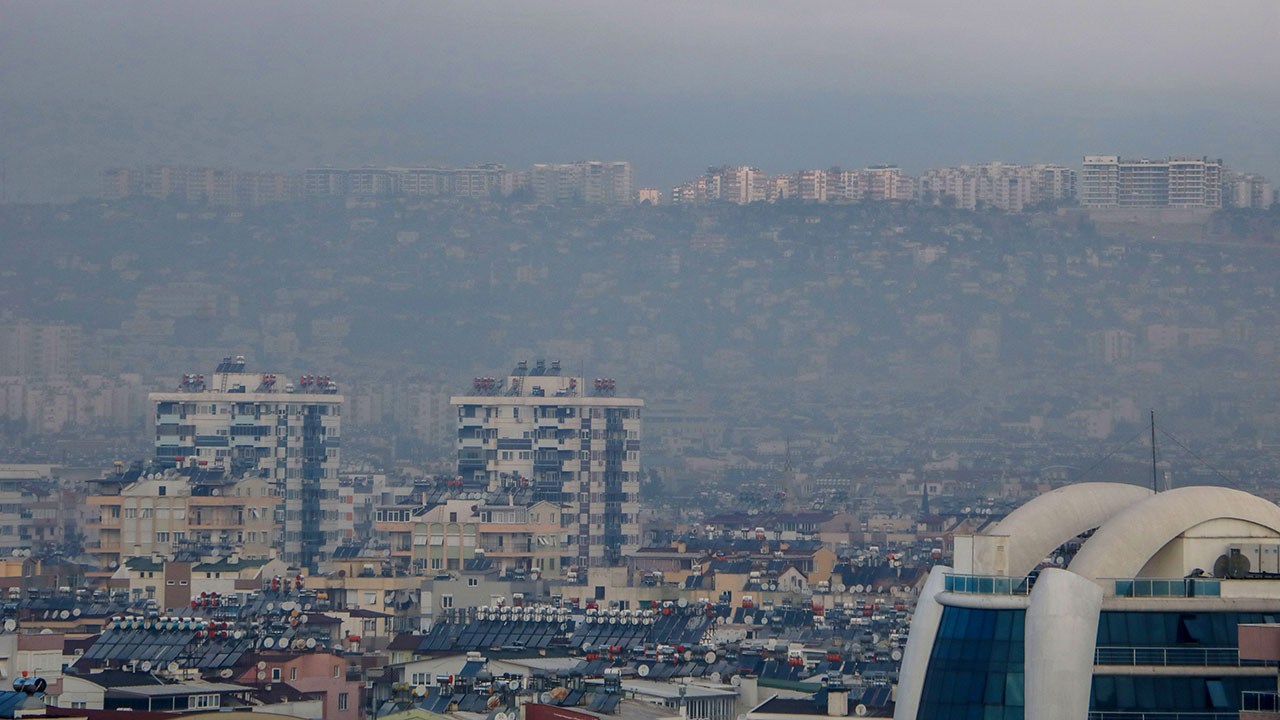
1123 545
1061 627
915 658
1047 521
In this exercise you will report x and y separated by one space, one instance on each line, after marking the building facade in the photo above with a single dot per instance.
573 443
1109 181
253 422
1098 600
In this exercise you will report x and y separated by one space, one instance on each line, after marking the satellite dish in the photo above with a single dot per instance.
841 587
262 664
715 676
146 666
174 666
225 673
710 657
10 624
311 643
559 693
860 710
682 602
502 716
269 642
65 614
688 656
302 619
271 606
238 634
643 671
75 612
764 620
262 675
895 654
544 697
420 690
736 681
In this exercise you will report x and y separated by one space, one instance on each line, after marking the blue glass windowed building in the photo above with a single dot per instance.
1141 622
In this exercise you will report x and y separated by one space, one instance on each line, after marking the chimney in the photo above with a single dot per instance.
837 696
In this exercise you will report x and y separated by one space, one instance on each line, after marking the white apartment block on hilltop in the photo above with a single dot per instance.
573 441
1109 181
289 434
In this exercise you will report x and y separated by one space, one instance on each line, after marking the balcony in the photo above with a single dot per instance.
1174 657
1259 705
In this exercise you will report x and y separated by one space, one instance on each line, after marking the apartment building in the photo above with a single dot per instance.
888 182
256 423
573 441
188 508
592 183
811 185
1248 191
1109 181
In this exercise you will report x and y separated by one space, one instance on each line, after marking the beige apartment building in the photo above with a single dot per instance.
161 513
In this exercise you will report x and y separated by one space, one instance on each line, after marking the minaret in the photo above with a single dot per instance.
924 502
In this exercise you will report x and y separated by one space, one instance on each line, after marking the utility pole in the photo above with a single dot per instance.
1155 484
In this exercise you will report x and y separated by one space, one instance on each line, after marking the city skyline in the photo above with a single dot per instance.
453 84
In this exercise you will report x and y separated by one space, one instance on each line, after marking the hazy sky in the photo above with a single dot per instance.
671 86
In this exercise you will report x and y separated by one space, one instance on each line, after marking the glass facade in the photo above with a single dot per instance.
1181 694
976 668
1173 638
1174 629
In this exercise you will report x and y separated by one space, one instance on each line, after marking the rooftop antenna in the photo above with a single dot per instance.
1155 482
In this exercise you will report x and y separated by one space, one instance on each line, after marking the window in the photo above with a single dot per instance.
342 701
275 673
980 651
419 678
446 601
336 670
204 701
293 673
472 582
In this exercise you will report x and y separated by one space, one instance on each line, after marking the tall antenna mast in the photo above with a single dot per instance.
1155 483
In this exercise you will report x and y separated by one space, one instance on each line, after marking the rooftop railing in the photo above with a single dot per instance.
1167 587
1121 715
1174 657
987 584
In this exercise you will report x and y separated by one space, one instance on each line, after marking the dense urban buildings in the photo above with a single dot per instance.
569 438
288 433
587 182
1105 181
